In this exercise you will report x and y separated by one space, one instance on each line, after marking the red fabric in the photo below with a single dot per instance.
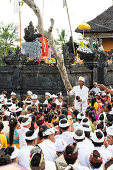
45 49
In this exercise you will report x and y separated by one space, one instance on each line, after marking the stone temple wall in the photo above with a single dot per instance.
42 78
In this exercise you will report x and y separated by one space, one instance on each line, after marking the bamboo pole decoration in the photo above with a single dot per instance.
20 27
70 26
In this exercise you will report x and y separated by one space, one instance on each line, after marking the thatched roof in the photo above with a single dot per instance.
102 23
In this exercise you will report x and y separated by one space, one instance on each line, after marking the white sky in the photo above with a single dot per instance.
79 11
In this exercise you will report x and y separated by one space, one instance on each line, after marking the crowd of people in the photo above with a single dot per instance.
54 135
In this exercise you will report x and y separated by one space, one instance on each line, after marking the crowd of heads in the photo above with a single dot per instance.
51 119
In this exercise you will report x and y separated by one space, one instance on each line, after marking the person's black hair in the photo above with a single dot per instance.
64 128
79 140
96 165
65 106
35 161
50 117
1 126
42 129
32 126
97 144
91 114
87 134
5 118
20 119
12 125
100 126
33 117
35 113
109 107
109 117
63 121
13 114
29 108
1 117
85 120
108 163
69 150
4 158
5 106
20 104
93 100
28 134
101 117
64 111
18 113
53 106
9 150
55 123
92 93
87 111
62 116
50 100
75 112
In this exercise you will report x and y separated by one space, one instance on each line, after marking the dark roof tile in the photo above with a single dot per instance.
102 23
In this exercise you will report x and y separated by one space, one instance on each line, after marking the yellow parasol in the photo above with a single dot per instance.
84 26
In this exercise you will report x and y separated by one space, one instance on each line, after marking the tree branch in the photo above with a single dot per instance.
49 36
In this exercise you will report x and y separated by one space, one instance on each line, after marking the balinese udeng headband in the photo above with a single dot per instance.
27 122
77 136
41 159
34 136
63 125
87 128
95 138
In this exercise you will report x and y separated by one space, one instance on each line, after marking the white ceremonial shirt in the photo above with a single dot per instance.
24 156
83 150
95 89
45 102
67 136
48 149
83 93
49 165
110 148
77 167
22 136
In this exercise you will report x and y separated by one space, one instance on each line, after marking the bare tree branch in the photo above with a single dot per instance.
48 34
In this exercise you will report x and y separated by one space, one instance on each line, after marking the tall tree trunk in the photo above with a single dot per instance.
48 34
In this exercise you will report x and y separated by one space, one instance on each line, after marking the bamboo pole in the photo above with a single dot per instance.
20 27
70 26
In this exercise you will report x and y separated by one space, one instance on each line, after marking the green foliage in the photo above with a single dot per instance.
8 35
62 38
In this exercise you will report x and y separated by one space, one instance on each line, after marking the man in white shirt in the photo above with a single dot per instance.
98 141
65 128
95 88
83 147
70 156
35 100
26 123
47 96
24 154
81 95
47 146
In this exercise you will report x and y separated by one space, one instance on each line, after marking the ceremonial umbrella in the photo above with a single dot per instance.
84 26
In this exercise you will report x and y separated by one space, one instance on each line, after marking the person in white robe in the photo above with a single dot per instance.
24 154
81 95
26 124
